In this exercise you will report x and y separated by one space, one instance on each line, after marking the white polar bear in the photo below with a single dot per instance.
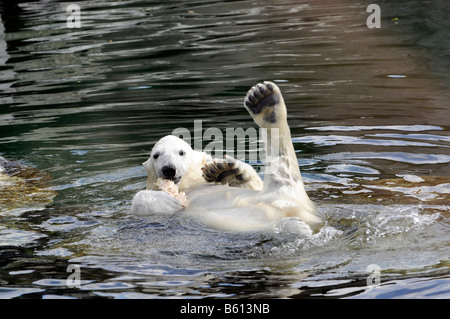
228 194
174 159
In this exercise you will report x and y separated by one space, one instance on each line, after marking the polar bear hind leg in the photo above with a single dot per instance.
281 198
266 105
282 175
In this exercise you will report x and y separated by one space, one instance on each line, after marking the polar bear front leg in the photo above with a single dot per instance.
232 172
149 202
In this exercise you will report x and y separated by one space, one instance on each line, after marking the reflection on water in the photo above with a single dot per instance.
369 116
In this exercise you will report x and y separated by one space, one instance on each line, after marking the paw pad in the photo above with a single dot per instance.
221 170
261 96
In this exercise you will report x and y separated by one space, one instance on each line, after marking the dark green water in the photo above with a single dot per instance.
368 109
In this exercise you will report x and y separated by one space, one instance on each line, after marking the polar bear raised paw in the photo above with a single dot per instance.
265 104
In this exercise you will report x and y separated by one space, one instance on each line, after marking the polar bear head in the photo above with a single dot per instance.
174 159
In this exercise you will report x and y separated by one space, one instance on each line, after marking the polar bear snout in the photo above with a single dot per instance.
171 172
168 172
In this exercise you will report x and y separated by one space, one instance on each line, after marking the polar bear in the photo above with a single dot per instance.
174 159
228 194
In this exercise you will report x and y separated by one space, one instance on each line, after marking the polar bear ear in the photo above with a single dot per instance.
151 172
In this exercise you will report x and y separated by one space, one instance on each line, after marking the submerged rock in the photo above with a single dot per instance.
23 187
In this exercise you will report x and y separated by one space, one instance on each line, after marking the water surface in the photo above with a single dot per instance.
368 110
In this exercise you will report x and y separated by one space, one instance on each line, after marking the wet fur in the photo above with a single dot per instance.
229 195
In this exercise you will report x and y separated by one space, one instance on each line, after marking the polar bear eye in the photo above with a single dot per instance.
155 156
182 153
